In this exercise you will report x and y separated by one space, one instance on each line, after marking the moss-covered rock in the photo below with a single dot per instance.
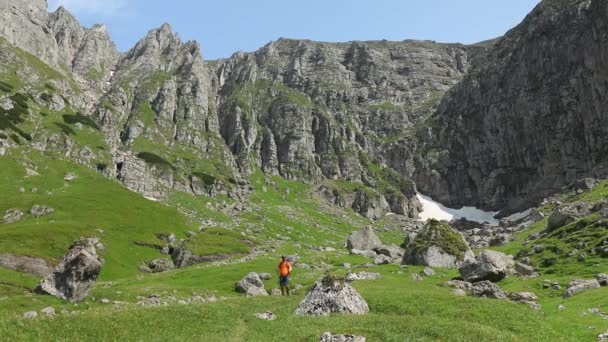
437 245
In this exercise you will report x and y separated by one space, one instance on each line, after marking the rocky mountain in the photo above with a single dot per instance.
530 118
498 125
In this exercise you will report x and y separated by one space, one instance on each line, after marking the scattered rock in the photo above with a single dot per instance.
488 289
427 272
104 301
382 260
30 315
577 286
459 284
524 270
269 316
76 273
69 177
488 265
602 337
391 251
567 213
459 292
362 276
160 265
364 253
265 276
49 311
275 292
12 216
329 337
332 295
256 292
523 297
41 210
364 239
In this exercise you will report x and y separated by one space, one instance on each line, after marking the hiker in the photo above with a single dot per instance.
284 273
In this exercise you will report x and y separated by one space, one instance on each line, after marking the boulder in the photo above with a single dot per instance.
524 270
459 284
488 289
602 278
329 337
391 251
437 245
488 265
364 239
523 297
268 316
160 265
362 276
382 260
41 210
256 292
364 253
12 215
332 295
265 276
250 280
427 272
30 315
49 311
76 273
577 286
25 264
567 213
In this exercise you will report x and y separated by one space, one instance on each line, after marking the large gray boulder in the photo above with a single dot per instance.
251 280
364 239
487 265
577 286
77 272
437 245
391 251
567 213
331 295
487 289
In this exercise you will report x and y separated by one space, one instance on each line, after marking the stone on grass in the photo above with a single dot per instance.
265 276
332 295
12 215
427 272
364 239
487 289
329 337
488 265
391 251
250 280
567 213
524 270
577 286
382 260
364 253
275 292
256 292
602 278
48 311
362 276
30 314
269 316
41 210
437 245
77 272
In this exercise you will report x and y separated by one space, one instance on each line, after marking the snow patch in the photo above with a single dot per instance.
437 211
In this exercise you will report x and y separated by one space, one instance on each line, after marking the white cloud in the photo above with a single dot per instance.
106 7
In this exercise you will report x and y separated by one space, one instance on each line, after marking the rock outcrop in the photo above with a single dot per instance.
527 119
332 295
76 273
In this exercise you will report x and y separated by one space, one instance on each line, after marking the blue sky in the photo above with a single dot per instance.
224 27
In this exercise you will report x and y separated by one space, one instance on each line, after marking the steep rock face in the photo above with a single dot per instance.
530 118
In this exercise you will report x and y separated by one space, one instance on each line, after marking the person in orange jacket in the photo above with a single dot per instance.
284 274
